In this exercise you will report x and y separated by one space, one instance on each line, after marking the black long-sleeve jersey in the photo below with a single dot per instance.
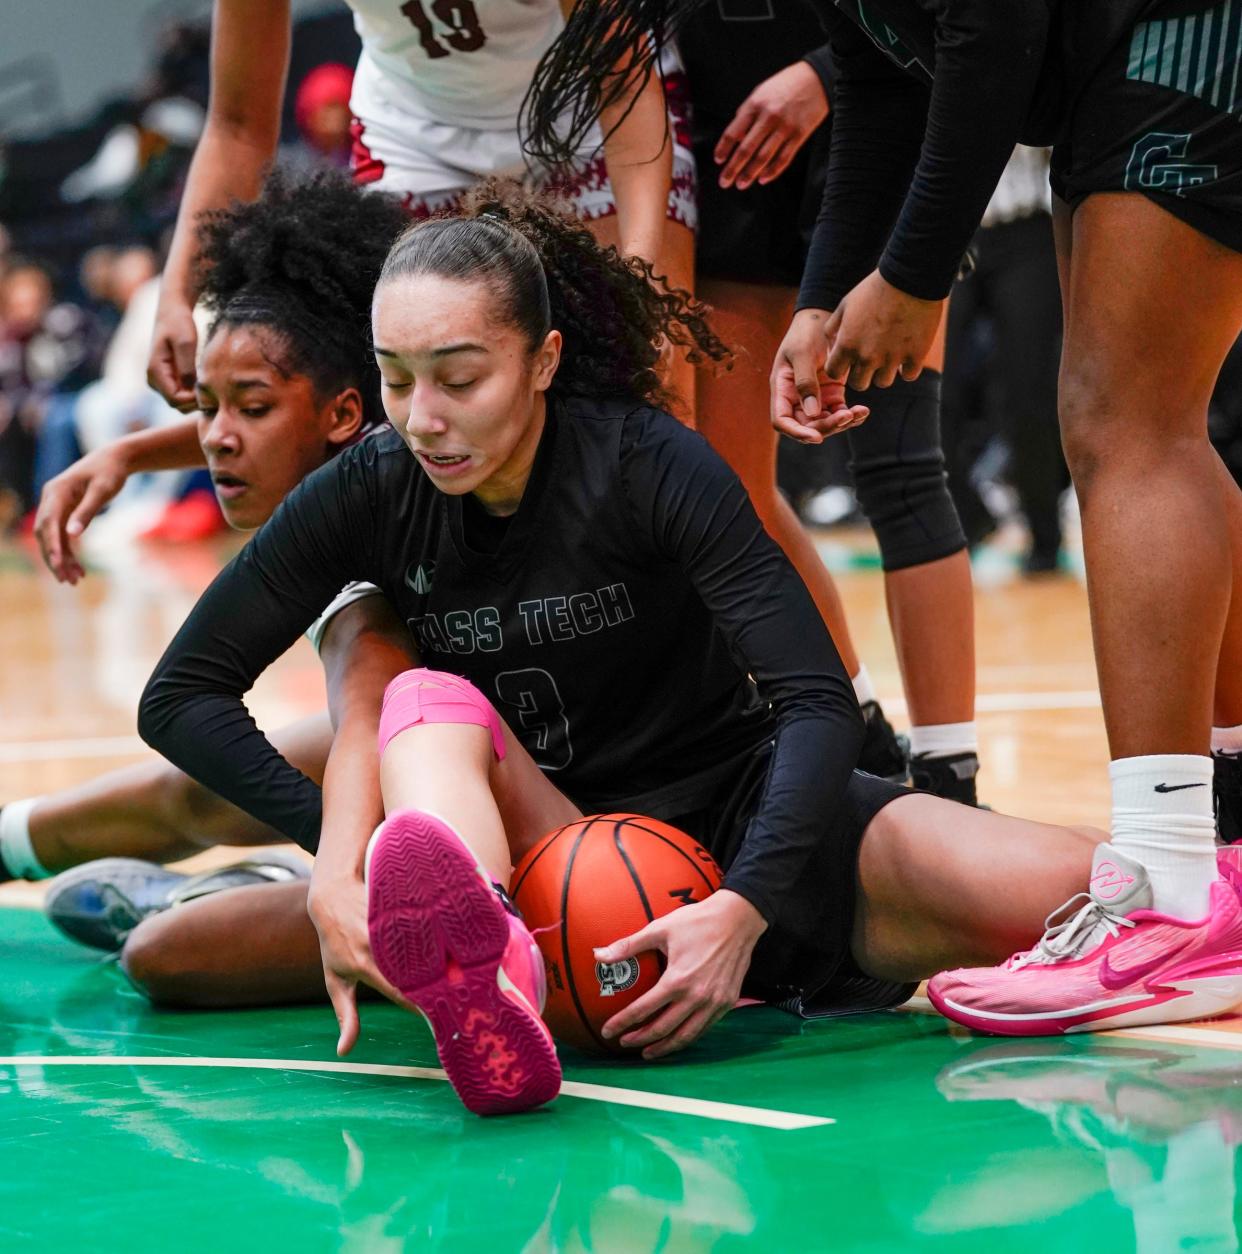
634 625
930 97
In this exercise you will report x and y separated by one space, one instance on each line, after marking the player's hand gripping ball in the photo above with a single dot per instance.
592 883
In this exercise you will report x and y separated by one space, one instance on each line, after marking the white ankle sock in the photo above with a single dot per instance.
1162 818
864 689
1227 739
940 740
15 850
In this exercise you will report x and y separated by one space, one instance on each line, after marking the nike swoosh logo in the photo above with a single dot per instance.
1177 787
1113 979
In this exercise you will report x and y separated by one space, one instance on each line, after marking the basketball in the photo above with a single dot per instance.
592 883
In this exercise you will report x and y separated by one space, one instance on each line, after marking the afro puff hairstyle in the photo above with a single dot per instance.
302 261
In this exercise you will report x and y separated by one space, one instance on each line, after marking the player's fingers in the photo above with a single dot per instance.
771 144
841 361
50 536
96 496
860 375
342 994
656 1029
641 1009
732 134
885 374
689 1032
779 161
649 937
756 136
806 384
910 370
786 424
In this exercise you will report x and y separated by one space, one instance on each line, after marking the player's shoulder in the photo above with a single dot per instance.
623 422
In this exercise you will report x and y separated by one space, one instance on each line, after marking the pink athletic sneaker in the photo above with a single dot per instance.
1111 962
441 935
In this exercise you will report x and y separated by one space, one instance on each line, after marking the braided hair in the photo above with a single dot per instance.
545 270
568 92
302 262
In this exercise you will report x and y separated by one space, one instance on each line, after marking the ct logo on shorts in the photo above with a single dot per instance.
616 977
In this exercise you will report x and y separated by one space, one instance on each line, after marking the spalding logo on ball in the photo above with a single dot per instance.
594 882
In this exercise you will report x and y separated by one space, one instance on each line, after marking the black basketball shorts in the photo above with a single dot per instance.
803 962
1162 116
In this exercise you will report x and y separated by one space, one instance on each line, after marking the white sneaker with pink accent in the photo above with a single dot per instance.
1107 960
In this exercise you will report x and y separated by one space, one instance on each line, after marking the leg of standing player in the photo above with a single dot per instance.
898 470
731 415
1156 514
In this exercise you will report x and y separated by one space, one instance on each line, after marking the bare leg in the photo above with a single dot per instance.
732 414
1228 703
244 947
931 611
154 811
1153 308
942 885
500 809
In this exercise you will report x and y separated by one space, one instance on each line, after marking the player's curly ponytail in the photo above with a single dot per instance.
545 270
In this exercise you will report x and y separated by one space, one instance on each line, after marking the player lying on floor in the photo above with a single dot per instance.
287 380
598 579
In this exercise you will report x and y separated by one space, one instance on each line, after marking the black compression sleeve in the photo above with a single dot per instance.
988 58
694 512
192 710
878 116
820 60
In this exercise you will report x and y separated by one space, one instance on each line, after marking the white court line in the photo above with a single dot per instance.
121 746
52 750
756 1116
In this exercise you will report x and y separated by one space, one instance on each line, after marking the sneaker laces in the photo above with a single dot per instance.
1068 936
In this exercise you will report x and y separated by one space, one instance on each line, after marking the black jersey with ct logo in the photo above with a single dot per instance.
632 623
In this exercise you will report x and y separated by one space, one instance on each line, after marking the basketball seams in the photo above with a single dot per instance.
629 866
570 982
548 842
632 820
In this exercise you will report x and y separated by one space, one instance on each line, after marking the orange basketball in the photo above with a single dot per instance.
595 882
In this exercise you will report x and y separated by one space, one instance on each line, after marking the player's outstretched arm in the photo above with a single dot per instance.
365 646
249 62
70 500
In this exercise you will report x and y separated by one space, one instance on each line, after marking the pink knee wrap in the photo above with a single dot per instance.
427 696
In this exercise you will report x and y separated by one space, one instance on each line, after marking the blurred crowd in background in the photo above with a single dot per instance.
85 216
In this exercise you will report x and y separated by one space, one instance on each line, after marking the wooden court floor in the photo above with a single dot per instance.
133 1129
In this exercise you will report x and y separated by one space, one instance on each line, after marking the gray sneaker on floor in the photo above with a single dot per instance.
99 903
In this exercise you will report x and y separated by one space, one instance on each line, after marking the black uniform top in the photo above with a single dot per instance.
616 626
930 97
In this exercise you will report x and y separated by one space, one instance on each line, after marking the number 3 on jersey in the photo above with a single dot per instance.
541 723
460 16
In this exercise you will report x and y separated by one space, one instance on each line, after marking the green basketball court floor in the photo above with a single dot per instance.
127 1129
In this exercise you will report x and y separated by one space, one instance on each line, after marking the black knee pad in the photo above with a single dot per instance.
899 476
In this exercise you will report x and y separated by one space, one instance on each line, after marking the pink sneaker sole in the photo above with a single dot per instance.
439 935
1199 991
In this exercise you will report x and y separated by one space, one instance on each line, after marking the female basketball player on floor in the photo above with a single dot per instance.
597 591
287 380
